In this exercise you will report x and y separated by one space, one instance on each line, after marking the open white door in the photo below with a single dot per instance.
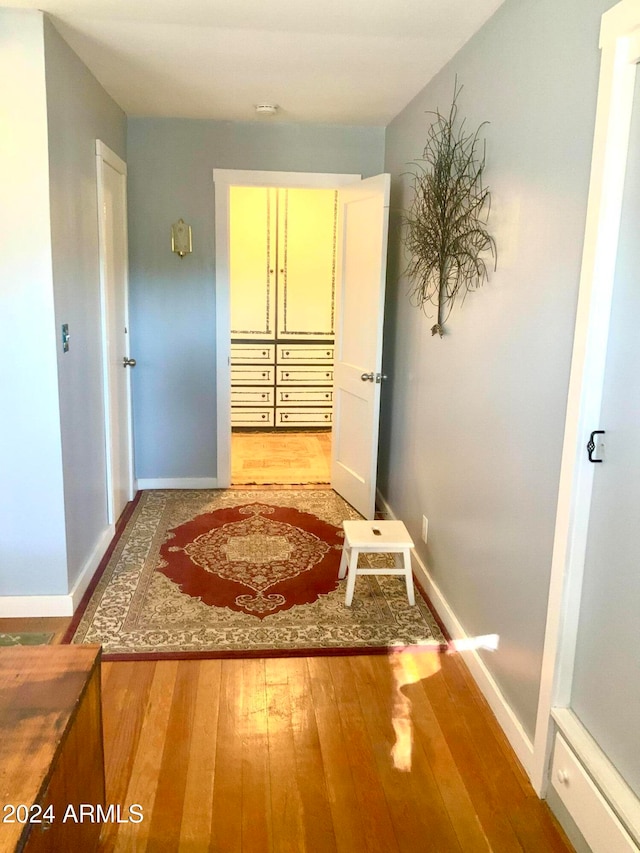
363 218
112 207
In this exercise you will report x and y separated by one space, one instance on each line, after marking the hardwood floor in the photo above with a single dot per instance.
298 755
396 754
283 458
311 754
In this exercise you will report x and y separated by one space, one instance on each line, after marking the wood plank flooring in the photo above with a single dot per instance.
395 754
282 458
297 754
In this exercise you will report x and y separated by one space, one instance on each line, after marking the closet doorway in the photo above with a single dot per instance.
282 283
284 362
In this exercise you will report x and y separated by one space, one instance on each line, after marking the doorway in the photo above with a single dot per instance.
111 175
282 280
362 223
587 699
253 448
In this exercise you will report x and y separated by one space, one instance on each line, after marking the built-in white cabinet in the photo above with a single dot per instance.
282 257
293 389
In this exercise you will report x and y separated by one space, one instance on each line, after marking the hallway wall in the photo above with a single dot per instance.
172 300
52 449
473 423
79 111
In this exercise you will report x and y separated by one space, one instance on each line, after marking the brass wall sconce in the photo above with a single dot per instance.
181 238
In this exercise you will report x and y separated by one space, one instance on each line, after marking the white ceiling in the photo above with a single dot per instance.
335 61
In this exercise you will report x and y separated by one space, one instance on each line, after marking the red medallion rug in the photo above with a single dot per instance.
233 572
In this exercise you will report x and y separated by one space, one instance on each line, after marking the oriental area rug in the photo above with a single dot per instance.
230 572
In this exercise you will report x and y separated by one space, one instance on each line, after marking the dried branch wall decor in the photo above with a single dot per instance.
445 232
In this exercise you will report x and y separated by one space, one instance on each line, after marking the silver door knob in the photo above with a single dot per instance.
368 377
128 362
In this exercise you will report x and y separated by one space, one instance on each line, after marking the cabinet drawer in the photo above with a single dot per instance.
304 353
310 375
251 417
246 374
252 353
595 819
307 417
247 396
305 396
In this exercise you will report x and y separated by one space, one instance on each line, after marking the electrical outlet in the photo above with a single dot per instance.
425 528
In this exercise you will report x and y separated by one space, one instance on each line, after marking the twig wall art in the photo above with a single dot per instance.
445 232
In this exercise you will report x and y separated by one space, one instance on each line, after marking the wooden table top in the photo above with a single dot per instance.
40 690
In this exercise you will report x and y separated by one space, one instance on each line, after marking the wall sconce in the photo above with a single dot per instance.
181 238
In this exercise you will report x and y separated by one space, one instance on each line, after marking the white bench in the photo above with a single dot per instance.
376 537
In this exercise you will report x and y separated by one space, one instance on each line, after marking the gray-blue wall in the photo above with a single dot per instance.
172 300
79 111
52 448
473 423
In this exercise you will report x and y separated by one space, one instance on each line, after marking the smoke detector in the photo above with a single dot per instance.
266 109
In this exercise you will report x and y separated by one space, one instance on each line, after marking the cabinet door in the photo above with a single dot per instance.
252 261
306 263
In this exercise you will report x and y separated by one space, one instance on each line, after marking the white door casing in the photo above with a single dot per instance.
112 230
363 216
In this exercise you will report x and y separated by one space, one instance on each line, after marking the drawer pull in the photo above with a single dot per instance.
562 776
263 417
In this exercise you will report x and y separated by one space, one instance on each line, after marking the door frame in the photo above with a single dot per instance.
620 53
105 155
223 179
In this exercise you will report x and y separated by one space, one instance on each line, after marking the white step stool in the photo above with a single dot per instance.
376 537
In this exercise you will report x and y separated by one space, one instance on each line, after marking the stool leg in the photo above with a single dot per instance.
344 562
351 577
409 576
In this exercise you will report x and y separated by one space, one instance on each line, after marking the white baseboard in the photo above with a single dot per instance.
89 569
510 724
58 605
179 483
14 606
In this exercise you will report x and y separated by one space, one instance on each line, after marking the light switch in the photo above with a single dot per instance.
65 337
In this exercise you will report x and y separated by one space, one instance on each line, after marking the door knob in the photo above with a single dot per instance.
368 377
128 362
